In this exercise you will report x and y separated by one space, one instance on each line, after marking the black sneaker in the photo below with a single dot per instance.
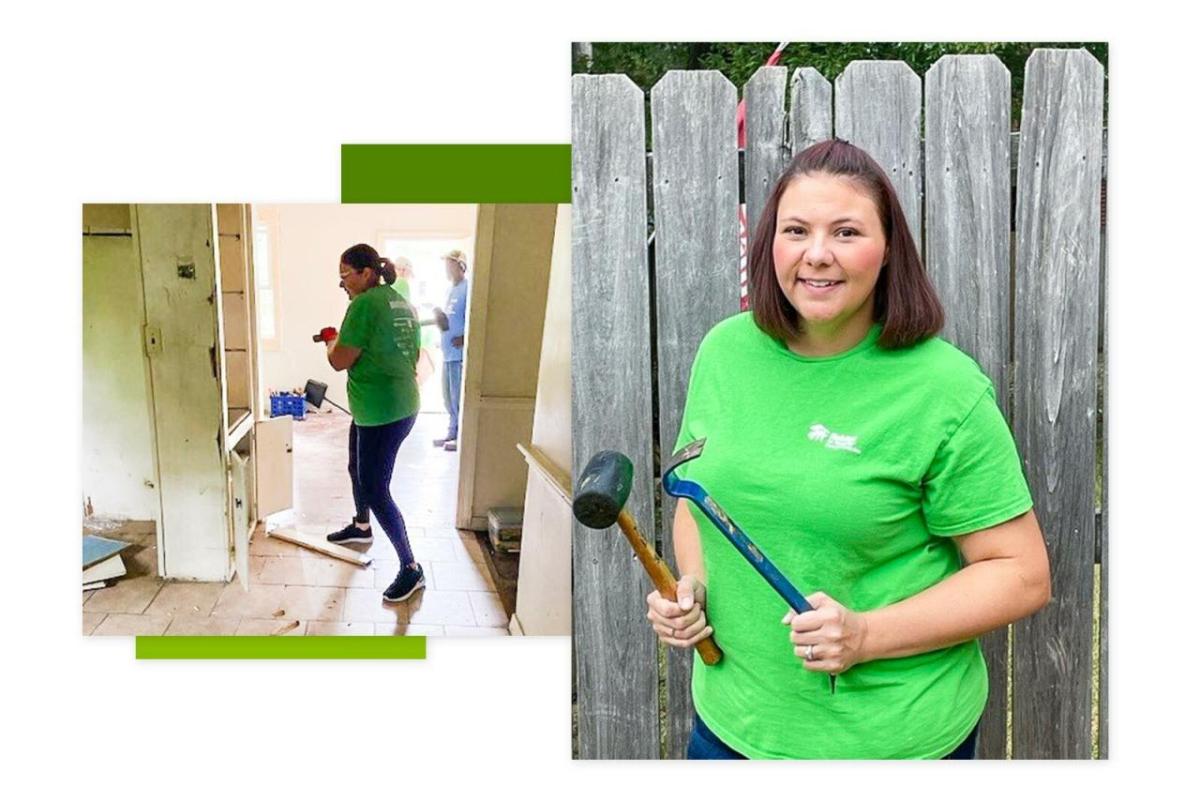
408 581
350 533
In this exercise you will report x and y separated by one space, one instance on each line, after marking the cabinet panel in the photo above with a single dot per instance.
273 449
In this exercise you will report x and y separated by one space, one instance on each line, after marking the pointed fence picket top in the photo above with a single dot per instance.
967 243
878 108
693 120
767 149
615 651
1057 316
812 108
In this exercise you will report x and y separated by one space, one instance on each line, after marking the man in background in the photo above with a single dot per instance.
453 324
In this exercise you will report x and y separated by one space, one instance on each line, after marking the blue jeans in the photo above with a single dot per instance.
706 745
372 459
451 393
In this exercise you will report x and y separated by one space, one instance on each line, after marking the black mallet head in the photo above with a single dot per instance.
603 489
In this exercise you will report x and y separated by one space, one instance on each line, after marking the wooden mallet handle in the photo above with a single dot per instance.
599 501
662 578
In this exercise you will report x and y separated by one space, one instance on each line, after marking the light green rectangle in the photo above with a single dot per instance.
280 647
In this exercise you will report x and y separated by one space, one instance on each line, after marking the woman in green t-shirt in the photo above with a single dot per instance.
378 346
868 459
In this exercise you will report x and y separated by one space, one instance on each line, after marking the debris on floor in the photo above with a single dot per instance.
502 567
320 544
102 563
504 528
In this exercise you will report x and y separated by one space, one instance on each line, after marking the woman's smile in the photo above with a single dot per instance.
819 286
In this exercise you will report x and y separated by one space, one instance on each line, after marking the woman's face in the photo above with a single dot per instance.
829 248
356 282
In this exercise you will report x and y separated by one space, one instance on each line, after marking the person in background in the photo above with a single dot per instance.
453 324
377 346
404 273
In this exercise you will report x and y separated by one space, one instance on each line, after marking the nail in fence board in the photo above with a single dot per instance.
693 121
967 225
615 650
878 108
1057 286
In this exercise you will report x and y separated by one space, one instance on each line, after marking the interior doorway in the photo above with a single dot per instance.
428 288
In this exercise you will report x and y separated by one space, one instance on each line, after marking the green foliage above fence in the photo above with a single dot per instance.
646 62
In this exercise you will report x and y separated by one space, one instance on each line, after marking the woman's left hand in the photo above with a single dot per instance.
835 633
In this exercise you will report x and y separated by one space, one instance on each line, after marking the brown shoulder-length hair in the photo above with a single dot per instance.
905 301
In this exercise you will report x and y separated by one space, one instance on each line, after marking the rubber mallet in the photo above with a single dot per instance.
600 501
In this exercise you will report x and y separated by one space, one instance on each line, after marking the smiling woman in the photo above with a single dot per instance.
886 484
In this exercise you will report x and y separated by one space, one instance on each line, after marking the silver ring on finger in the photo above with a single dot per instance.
808 655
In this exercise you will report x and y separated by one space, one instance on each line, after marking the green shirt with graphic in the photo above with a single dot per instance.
382 383
851 473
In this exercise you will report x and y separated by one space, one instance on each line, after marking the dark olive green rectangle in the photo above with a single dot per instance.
280 648
456 173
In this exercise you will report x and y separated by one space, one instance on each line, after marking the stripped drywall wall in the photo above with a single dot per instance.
118 450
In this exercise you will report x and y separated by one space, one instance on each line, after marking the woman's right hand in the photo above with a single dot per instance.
682 622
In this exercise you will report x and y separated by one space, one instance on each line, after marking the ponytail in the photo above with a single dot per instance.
362 256
387 270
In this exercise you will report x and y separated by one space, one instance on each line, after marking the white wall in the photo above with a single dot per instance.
504 336
118 449
544 579
306 243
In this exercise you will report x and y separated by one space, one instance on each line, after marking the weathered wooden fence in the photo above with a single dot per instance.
1023 297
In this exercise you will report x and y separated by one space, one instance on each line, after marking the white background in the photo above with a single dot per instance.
250 101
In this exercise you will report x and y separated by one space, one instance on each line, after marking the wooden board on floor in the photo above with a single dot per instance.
318 543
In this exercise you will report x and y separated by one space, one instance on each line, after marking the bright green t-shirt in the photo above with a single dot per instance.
850 472
382 383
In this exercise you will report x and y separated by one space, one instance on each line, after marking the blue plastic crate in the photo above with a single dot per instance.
286 403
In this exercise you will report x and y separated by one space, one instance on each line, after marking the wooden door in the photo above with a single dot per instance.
179 281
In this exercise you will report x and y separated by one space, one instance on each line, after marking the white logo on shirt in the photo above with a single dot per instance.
835 442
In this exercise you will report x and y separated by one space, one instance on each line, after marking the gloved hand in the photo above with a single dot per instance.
327 334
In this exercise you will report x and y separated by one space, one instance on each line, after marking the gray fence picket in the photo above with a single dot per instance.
812 108
967 225
1058 288
767 151
696 255
615 651
878 108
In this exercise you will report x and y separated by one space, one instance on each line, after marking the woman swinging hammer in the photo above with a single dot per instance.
378 346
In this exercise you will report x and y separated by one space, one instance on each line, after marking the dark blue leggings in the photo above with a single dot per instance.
706 745
372 458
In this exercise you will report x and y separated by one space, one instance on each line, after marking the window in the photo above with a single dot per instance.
264 279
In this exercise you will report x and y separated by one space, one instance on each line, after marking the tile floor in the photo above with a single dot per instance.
295 591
